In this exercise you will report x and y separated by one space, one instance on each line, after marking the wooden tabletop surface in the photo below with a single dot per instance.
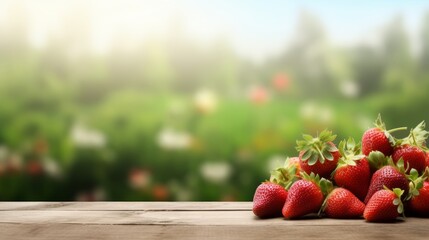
182 220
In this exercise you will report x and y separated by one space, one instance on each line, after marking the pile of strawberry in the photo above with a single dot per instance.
381 179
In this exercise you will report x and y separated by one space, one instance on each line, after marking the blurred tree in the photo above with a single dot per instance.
397 58
367 69
424 58
308 57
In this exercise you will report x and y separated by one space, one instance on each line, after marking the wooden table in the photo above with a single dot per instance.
182 220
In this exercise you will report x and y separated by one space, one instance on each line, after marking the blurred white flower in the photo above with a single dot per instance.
205 101
364 122
95 195
172 139
14 162
177 107
325 114
216 171
52 168
349 89
3 152
181 192
86 137
275 161
308 110
314 112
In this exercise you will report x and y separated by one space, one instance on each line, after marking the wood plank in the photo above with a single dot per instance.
127 206
208 218
135 217
182 220
74 231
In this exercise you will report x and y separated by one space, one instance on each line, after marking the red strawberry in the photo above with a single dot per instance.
318 155
268 200
411 149
427 159
413 157
419 204
388 176
384 206
378 139
305 196
341 203
353 171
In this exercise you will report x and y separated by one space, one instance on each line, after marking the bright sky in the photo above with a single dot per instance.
255 28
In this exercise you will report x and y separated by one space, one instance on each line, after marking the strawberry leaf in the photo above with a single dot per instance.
307 137
319 148
306 155
351 144
326 186
377 159
332 148
397 201
348 150
379 123
327 155
313 159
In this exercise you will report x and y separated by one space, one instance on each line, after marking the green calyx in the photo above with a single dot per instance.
377 159
417 136
325 185
317 148
416 183
349 151
285 176
397 201
379 123
400 165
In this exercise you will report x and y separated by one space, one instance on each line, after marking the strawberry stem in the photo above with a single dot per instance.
397 129
320 152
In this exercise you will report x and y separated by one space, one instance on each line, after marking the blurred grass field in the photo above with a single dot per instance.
169 119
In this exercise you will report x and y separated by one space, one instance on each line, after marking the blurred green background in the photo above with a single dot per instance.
194 100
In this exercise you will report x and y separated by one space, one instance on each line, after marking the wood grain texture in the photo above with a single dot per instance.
126 206
182 220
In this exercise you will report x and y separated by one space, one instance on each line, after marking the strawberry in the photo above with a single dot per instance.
341 203
418 196
411 148
318 155
427 159
378 139
305 196
384 206
353 171
390 177
413 157
268 200
419 204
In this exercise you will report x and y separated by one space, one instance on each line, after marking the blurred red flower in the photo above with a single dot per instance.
160 192
34 168
258 95
281 82
139 178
